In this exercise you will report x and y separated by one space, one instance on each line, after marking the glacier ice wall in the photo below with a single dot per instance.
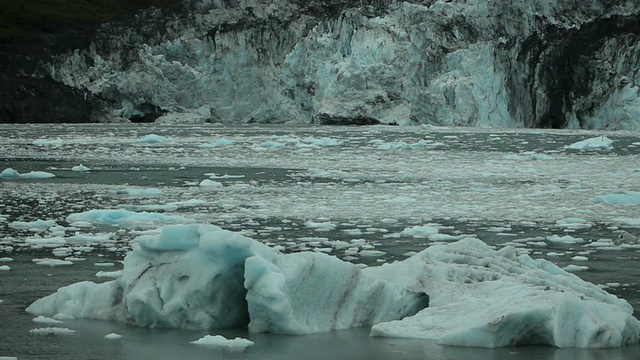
551 63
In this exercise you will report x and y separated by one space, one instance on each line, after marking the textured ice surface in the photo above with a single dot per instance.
10 173
200 276
596 143
389 62
124 217
221 341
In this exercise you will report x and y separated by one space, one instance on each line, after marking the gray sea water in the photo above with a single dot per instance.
509 187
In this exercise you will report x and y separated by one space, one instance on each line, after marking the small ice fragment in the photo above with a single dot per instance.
52 330
109 274
113 336
153 139
4 268
574 268
221 341
80 168
46 320
210 183
104 264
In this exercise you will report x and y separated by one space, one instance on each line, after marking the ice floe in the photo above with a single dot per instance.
596 143
200 276
124 217
618 199
221 341
153 139
46 320
52 330
10 173
80 168
113 336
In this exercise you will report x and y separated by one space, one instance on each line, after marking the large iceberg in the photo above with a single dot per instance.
462 293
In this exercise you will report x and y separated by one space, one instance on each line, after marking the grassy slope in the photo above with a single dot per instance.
20 19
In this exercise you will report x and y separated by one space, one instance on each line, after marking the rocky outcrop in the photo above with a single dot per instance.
552 63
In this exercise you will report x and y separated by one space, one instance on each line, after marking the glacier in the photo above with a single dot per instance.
463 293
552 63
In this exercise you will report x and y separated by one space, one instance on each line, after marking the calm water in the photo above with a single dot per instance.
471 182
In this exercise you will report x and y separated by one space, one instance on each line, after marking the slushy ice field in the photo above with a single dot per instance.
366 195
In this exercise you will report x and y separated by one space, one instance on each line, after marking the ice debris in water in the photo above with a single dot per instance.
626 238
4 268
80 168
46 320
48 142
124 217
153 139
221 341
596 143
210 183
619 199
10 173
52 330
34 226
200 276
113 336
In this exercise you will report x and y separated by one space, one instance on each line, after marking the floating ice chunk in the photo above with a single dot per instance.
194 258
89 238
153 139
48 142
8 358
80 168
619 199
321 226
53 241
1 301
626 237
223 142
210 183
371 253
596 143
124 217
575 268
4 268
34 226
45 320
135 192
272 144
221 341
567 239
10 173
6 259
420 231
200 276
574 223
579 258
515 300
109 274
325 141
629 222
52 330
52 262
113 336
